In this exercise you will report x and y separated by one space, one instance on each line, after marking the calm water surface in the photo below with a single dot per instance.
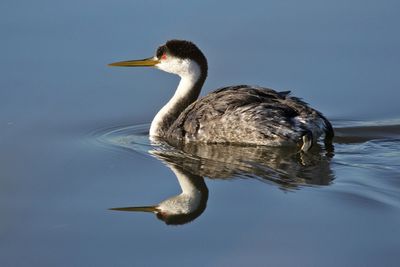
73 136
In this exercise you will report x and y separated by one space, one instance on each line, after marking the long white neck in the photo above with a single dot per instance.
194 191
187 92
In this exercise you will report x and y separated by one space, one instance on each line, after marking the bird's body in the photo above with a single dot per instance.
237 114
250 115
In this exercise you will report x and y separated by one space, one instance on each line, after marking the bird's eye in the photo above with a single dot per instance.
164 56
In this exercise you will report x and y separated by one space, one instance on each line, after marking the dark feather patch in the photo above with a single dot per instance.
233 110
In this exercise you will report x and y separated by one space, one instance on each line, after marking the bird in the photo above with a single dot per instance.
184 207
239 114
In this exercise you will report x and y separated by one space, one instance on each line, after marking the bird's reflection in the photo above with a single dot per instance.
191 162
181 208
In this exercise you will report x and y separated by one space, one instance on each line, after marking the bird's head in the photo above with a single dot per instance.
178 209
179 57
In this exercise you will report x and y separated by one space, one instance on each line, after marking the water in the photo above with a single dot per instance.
73 140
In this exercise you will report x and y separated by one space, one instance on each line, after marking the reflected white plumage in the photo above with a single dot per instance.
240 114
181 208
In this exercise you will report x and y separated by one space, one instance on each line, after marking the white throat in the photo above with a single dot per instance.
190 72
187 201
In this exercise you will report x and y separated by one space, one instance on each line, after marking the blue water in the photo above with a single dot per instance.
73 138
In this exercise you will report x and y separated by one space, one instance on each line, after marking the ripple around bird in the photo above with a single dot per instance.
364 167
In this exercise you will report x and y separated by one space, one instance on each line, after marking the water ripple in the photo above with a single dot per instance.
365 167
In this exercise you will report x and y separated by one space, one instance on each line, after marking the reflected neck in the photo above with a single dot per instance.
187 92
190 203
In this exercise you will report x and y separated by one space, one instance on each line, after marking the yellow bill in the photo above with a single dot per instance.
147 62
142 209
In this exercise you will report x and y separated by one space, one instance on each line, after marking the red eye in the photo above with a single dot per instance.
164 56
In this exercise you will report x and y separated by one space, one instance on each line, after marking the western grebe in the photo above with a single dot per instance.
240 114
184 207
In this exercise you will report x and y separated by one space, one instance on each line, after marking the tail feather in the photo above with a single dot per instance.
329 133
